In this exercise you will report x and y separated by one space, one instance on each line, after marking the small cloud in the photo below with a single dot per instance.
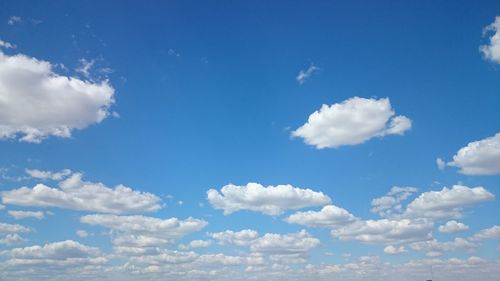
82 233
180 202
491 51
304 75
6 45
440 164
14 20
85 67
172 52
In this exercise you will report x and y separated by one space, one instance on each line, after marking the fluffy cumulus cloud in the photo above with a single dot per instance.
479 157
453 227
26 214
385 231
36 102
271 200
329 216
491 51
352 122
143 231
447 203
76 194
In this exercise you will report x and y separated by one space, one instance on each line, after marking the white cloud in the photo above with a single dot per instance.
292 243
304 75
489 233
172 52
329 216
447 203
11 239
385 231
453 227
440 164
36 102
195 244
240 238
26 214
82 233
85 67
14 20
390 204
6 228
271 200
57 254
435 248
391 250
492 50
6 45
351 122
45 175
75 194
479 157
142 231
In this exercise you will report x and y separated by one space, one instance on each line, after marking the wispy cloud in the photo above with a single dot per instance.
304 75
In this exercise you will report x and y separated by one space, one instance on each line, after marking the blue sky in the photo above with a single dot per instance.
339 135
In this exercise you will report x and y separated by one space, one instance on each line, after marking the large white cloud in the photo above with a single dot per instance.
351 122
491 51
329 216
479 157
271 200
385 231
76 194
142 231
36 102
447 203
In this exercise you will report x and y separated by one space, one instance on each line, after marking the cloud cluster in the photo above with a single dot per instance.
36 102
271 200
351 122
143 231
75 194
390 204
